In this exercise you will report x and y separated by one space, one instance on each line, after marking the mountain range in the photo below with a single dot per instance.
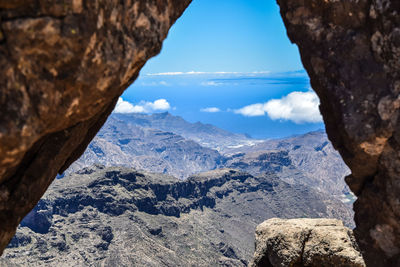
156 190
118 216
122 143
205 134
168 144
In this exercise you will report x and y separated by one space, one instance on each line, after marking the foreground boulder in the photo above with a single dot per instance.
305 242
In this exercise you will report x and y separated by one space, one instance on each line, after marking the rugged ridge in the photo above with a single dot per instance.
309 159
119 216
205 134
120 143
127 140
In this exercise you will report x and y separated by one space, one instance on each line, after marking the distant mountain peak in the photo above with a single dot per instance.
161 115
205 134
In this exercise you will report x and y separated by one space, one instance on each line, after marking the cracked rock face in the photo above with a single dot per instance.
63 66
305 242
351 51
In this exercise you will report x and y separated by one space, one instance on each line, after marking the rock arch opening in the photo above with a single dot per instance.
51 111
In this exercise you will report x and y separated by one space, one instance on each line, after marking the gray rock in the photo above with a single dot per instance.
307 159
123 143
310 154
121 217
305 242
205 134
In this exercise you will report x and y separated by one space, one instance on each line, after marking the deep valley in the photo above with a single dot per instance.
155 190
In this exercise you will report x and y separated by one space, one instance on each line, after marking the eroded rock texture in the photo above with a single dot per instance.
63 66
305 242
351 50
118 216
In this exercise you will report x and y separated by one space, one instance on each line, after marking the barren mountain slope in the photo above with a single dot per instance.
121 217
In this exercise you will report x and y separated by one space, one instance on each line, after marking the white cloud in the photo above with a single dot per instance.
299 107
211 83
143 106
210 110
160 104
155 83
166 73
205 72
252 110
123 106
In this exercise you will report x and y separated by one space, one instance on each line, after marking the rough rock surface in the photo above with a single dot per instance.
63 66
305 242
121 217
351 51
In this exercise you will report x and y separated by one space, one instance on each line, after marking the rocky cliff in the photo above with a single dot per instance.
309 159
63 66
126 140
152 143
122 217
350 50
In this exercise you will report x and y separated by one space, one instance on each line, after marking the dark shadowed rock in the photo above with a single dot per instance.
63 65
305 242
351 51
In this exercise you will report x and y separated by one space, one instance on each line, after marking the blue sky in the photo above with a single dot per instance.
227 35
229 63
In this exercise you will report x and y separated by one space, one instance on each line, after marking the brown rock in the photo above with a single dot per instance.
305 242
63 65
351 51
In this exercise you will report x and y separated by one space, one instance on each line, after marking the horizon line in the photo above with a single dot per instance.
177 73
